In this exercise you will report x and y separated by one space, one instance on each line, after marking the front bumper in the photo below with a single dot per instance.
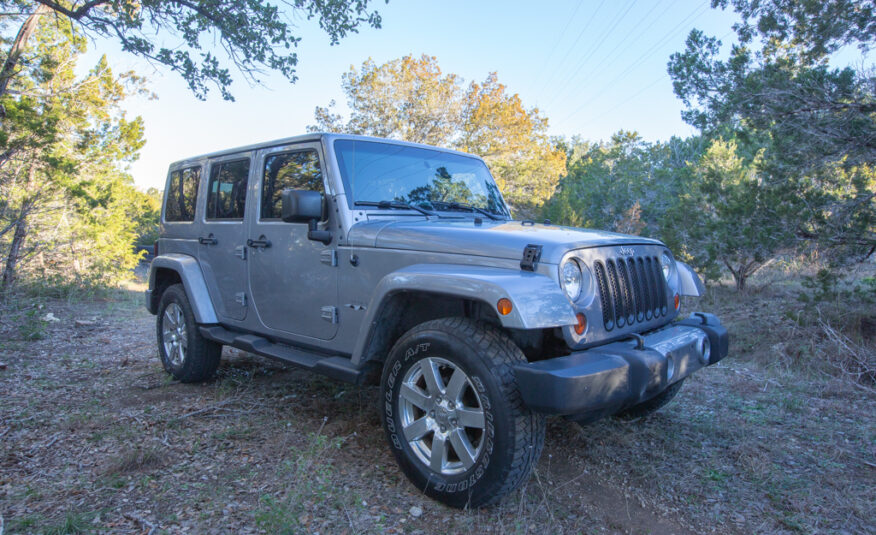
609 378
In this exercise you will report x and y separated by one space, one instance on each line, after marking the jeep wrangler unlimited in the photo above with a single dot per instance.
361 258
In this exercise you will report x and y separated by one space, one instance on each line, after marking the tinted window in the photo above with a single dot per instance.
431 178
182 194
226 197
292 170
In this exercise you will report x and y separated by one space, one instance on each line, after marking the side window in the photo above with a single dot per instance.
182 194
288 170
226 194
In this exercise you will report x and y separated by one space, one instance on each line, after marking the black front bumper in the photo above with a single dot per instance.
609 378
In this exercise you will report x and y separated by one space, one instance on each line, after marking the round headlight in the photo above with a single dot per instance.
571 279
666 264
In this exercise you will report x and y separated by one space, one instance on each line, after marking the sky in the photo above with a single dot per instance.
592 67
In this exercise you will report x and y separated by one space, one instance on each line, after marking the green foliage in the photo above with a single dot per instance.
412 100
32 327
68 209
815 125
254 35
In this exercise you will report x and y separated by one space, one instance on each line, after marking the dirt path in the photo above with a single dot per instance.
95 437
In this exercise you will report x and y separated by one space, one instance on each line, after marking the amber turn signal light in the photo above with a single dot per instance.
582 324
677 302
504 306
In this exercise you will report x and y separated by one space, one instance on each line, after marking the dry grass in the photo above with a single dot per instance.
94 437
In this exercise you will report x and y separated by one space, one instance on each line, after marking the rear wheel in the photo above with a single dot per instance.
184 353
453 414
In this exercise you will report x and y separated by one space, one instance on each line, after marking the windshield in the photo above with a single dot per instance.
432 179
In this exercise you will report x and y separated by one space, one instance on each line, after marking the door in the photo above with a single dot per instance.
222 240
293 280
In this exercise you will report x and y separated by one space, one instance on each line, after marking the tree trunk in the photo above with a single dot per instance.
14 251
17 48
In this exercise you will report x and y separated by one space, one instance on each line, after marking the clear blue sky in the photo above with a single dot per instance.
592 67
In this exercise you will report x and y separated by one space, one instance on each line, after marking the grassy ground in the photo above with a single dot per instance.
94 437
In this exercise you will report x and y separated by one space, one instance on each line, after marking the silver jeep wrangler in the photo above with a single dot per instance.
363 258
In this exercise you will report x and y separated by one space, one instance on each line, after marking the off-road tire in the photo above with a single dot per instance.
201 355
646 408
513 436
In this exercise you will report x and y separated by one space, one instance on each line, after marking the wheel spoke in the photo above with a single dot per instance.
439 453
470 417
456 385
463 448
434 384
414 395
417 430
169 321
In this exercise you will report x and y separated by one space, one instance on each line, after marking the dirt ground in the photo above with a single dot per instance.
96 438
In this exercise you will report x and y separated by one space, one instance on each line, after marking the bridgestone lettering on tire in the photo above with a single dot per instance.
453 415
184 353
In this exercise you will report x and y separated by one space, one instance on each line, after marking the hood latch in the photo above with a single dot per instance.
531 256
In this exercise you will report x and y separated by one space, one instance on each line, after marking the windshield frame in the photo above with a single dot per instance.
504 211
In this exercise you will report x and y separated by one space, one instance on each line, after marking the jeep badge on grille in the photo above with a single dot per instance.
626 251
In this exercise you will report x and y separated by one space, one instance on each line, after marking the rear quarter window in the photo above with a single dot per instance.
182 195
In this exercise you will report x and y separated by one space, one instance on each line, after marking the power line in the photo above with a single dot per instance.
626 39
601 39
557 42
654 49
580 34
637 93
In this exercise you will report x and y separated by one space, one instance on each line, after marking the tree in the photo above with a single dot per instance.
412 100
67 208
253 35
815 124
743 218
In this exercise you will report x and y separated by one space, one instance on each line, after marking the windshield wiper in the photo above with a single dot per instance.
469 208
400 205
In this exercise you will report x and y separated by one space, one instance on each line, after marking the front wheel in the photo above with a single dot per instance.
453 414
184 353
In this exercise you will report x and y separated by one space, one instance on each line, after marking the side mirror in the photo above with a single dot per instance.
303 206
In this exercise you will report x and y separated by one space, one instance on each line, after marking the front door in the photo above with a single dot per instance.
222 248
293 280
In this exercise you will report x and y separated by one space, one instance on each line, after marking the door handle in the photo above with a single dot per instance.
262 242
209 240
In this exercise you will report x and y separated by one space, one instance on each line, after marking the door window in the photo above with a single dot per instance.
182 194
288 170
226 195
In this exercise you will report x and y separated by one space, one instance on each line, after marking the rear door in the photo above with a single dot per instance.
222 240
293 280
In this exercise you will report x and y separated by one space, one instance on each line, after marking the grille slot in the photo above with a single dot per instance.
607 308
631 290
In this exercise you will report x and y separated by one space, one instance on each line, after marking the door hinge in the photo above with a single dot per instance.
329 257
240 298
330 314
240 251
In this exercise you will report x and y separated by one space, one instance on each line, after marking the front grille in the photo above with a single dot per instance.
631 290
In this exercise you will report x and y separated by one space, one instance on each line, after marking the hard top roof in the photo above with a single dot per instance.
313 137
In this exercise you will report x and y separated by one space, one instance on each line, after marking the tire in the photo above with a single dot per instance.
646 408
184 353
491 441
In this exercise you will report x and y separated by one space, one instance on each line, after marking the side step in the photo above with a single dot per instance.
332 366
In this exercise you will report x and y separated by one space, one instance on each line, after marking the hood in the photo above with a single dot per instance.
496 239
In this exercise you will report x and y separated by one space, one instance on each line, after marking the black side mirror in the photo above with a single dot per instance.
303 206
